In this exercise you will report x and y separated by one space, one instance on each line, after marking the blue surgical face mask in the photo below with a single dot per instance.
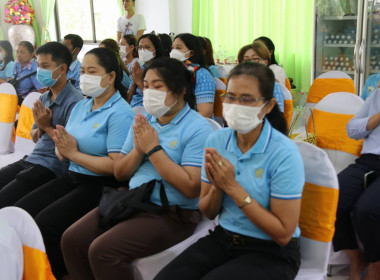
44 76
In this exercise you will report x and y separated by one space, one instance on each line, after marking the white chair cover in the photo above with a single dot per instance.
318 171
23 146
7 92
11 256
147 268
214 124
340 103
334 74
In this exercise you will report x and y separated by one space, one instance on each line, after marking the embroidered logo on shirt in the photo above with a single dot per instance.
371 88
259 172
173 144
96 125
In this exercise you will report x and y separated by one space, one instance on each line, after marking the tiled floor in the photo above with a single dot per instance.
339 272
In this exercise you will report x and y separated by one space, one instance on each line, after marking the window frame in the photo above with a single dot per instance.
93 26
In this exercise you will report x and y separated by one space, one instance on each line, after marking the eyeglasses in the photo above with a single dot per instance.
244 100
140 48
253 59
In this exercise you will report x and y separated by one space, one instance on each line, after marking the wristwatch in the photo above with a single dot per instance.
246 201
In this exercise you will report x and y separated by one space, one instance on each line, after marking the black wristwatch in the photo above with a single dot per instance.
152 151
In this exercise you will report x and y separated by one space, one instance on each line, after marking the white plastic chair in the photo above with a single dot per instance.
8 110
11 256
214 124
24 144
36 264
318 210
340 103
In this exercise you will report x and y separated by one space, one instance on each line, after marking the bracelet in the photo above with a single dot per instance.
153 150
246 201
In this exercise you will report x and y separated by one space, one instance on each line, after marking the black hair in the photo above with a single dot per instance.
6 45
28 45
76 40
175 76
166 43
156 43
193 44
109 61
132 41
268 42
60 54
265 77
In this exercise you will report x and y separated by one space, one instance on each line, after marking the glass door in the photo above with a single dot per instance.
336 36
370 58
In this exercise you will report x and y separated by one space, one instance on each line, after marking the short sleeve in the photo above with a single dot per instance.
194 149
118 25
128 143
9 70
279 96
118 128
288 176
204 86
370 86
142 24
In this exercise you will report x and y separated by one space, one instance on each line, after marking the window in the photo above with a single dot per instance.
93 20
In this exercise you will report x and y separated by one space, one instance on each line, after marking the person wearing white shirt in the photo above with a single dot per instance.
131 23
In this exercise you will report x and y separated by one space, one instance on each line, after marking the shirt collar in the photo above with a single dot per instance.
114 98
73 64
61 96
28 65
178 118
260 145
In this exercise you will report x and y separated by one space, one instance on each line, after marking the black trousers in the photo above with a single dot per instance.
58 204
359 208
19 179
220 255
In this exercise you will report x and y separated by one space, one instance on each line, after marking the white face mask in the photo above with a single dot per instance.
145 55
90 85
242 118
154 102
2 55
123 51
176 54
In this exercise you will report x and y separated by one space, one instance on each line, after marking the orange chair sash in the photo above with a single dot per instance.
36 265
288 84
288 111
25 122
8 107
332 134
322 87
318 211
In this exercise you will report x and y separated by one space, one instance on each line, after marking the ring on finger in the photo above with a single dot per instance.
220 163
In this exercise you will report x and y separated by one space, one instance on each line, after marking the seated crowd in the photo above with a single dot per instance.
249 174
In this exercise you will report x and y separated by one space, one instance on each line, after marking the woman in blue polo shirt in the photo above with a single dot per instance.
166 145
252 177
187 48
149 48
24 65
6 61
91 141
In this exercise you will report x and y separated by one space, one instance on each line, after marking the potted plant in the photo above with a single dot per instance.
20 14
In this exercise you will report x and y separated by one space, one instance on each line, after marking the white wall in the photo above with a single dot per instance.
165 16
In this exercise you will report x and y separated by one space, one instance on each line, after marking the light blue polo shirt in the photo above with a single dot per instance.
272 168
370 86
279 96
73 75
183 141
137 99
7 72
29 84
102 131
44 150
126 82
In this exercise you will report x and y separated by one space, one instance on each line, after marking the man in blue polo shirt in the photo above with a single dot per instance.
53 108
74 43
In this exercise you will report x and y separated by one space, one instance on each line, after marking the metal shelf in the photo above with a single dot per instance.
375 45
347 72
340 45
342 18
374 71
